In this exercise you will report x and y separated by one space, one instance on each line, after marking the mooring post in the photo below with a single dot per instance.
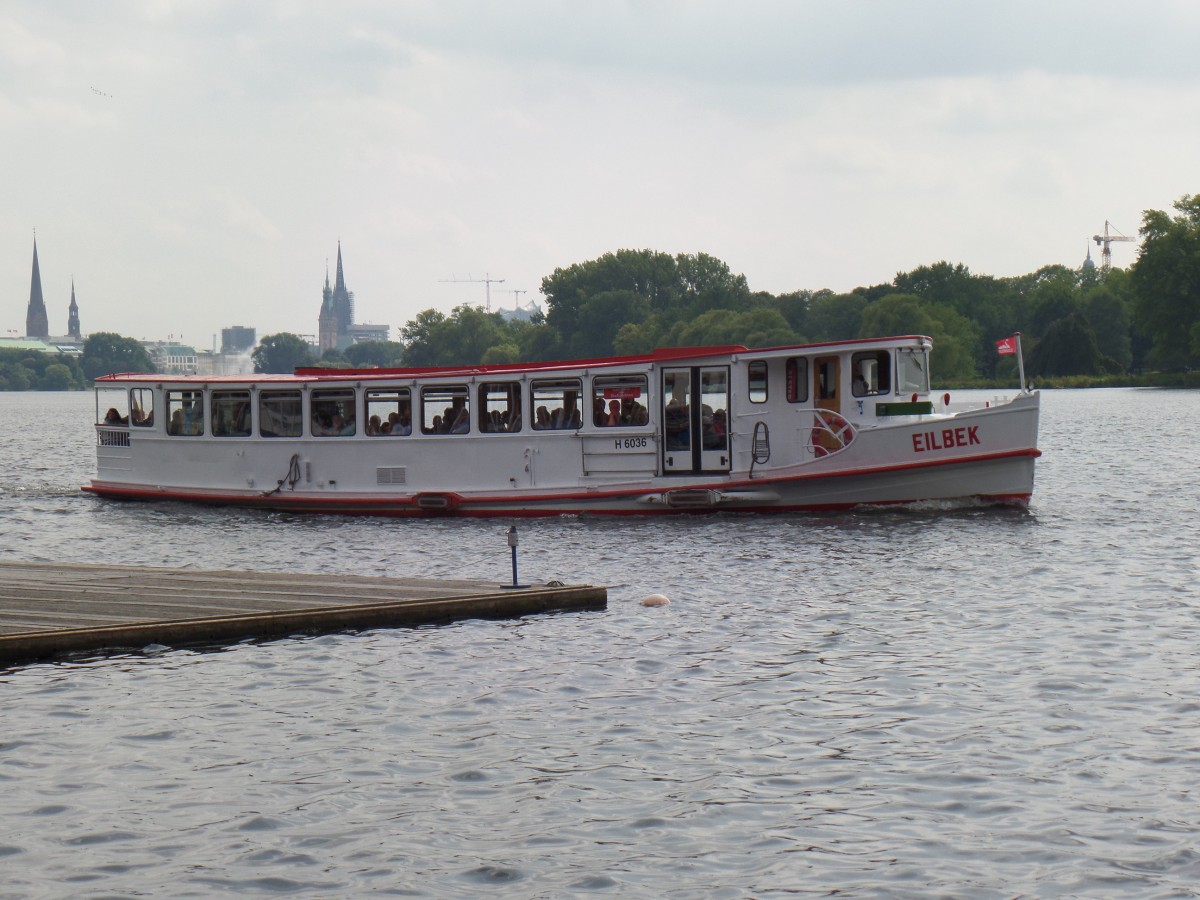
512 542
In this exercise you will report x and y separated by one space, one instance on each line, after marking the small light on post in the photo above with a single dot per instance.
512 543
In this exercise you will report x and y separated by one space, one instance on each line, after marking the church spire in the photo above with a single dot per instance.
341 281
73 329
36 323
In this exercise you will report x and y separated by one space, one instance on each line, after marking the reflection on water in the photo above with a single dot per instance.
961 701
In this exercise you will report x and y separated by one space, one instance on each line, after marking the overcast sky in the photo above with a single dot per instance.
193 165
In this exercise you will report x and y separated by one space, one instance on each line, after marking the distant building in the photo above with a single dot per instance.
172 359
337 312
73 316
209 363
238 339
368 332
37 325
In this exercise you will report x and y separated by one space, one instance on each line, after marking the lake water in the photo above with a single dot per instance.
960 702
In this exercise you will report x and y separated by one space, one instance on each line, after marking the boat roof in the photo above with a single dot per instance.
666 354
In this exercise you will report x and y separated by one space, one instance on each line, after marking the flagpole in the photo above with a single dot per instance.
1020 361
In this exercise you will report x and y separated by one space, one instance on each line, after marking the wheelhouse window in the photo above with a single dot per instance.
555 403
141 407
445 409
796 372
912 370
333 412
185 412
389 411
757 372
280 414
619 400
500 407
231 413
871 373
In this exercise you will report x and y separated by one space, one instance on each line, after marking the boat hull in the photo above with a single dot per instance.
1005 479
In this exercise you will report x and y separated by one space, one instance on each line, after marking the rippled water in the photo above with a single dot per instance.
956 702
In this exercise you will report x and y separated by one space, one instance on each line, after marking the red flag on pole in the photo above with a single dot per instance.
1007 347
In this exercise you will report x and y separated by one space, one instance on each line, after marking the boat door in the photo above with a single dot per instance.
695 416
827 373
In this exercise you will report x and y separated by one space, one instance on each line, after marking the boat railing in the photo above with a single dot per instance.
112 437
830 433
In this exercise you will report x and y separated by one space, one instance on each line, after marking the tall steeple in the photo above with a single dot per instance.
73 329
37 325
341 280
327 320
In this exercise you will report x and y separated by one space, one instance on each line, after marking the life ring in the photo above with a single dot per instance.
829 427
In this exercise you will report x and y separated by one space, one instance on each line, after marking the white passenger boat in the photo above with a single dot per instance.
816 427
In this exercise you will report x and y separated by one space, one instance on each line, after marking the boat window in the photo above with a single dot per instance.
555 403
500 406
714 408
826 372
141 407
872 373
796 371
231 413
758 381
389 411
912 370
333 412
619 400
280 414
445 409
112 406
185 412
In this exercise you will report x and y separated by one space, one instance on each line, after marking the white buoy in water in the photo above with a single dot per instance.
656 600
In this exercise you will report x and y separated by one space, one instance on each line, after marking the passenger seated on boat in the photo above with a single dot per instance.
720 426
676 425
435 427
599 415
344 427
462 422
175 426
614 413
384 428
112 417
373 425
710 439
542 421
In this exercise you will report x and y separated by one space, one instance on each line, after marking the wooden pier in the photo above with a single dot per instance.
47 609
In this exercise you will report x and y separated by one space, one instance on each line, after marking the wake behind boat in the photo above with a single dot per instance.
821 426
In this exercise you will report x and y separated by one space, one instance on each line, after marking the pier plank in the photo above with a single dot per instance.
48 608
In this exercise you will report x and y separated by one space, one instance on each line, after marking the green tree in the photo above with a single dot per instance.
282 354
835 317
384 354
954 336
464 337
15 377
106 353
57 377
1107 309
1069 348
1166 278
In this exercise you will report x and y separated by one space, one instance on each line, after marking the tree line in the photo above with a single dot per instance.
1075 323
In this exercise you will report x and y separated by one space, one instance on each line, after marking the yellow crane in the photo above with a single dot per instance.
1104 241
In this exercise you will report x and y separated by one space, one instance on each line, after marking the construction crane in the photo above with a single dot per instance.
486 280
1104 241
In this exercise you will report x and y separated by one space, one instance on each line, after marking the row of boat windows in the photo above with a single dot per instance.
556 404
550 404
